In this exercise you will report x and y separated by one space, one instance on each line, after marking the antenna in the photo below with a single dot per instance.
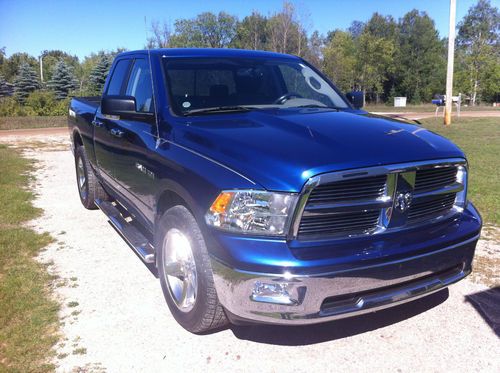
155 107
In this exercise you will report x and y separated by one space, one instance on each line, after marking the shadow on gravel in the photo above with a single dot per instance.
338 329
487 304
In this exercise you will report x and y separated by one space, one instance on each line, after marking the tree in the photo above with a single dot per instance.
12 64
376 47
25 82
207 30
51 57
284 30
4 88
421 63
89 64
251 32
98 75
314 53
63 80
161 34
2 59
479 51
339 61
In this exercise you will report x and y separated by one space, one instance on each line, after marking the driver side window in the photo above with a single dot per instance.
139 86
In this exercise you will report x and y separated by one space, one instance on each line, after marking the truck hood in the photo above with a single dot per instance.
282 149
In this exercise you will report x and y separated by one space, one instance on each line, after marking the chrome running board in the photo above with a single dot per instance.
134 238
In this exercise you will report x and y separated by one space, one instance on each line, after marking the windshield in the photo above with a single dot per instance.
196 84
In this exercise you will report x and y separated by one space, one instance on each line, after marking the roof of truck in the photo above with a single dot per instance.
212 52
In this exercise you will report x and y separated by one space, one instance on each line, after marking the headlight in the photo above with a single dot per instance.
251 211
461 198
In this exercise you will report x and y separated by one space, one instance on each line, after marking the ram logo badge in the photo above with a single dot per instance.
403 201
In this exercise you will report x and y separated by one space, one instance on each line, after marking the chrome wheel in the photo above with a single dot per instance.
82 180
180 270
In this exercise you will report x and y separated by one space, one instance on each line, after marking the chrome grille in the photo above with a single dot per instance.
346 223
434 178
349 190
430 207
373 200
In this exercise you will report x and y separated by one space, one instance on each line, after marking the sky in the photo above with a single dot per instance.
84 26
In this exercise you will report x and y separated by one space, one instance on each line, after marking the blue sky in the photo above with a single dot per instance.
81 27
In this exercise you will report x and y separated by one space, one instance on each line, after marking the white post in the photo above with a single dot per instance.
449 72
41 67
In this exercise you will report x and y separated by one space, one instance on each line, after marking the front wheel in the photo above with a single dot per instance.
186 274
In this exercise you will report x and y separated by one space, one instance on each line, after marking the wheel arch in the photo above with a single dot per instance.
77 139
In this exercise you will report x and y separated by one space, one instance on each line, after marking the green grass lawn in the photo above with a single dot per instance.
479 138
28 315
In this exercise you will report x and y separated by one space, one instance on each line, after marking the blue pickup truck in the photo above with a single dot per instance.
260 193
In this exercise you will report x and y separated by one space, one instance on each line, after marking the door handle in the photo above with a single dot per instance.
97 123
117 133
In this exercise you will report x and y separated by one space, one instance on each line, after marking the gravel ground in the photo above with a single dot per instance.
114 317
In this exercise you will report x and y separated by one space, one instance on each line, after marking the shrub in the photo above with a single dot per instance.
38 103
9 107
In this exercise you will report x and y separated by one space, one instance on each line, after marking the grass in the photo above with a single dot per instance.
479 138
12 123
28 314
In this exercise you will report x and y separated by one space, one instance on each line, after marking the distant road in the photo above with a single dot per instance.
430 114
29 132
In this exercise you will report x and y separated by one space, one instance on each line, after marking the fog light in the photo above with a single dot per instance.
278 293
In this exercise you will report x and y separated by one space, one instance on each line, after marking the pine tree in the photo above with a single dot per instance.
98 75
4 88
63 80
25 82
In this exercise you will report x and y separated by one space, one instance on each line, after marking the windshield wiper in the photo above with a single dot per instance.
219 109
314 106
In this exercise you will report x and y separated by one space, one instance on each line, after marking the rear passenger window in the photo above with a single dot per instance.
139 86
119 75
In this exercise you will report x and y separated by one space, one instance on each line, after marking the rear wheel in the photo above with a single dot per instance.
89 187
186 274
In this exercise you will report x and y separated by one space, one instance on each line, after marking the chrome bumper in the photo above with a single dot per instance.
339 294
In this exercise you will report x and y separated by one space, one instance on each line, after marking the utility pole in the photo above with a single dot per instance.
41 67
451 55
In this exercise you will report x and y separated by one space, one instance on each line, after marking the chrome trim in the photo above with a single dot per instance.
307 293
408 171
449 189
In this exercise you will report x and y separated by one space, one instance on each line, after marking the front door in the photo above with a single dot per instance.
134 144
106 141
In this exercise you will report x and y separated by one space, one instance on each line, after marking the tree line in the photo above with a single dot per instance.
383 57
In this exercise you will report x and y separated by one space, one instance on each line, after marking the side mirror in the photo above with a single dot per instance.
355 98
122 106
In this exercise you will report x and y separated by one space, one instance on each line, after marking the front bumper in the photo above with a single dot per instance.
322 294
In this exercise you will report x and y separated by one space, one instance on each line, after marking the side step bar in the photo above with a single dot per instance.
131 234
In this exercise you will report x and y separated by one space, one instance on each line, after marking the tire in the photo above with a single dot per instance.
89 188
196 309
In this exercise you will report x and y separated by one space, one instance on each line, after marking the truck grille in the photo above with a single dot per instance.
346 223
435 178
349 190
394 197
429 208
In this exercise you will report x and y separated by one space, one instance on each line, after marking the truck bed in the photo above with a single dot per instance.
92 101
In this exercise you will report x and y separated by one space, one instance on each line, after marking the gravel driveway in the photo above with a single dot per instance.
114 317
